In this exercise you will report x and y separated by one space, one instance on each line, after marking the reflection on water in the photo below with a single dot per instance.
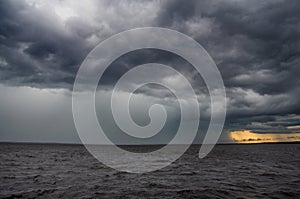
126 159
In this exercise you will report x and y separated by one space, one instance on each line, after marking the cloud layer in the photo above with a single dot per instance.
255 44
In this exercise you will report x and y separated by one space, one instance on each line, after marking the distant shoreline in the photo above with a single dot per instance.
125 145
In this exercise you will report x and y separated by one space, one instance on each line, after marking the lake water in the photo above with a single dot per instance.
229 171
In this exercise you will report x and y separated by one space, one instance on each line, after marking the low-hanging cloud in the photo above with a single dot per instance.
256 46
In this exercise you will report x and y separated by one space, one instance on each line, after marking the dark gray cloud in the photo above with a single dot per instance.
256 47
252 43
41 49
37 51
255 44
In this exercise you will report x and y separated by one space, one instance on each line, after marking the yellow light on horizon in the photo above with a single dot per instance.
247 137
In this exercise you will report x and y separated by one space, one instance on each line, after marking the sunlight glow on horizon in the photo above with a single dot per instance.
247 137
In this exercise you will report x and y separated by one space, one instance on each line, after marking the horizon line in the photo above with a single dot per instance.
159 144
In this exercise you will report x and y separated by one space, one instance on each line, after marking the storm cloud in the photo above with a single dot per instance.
255 44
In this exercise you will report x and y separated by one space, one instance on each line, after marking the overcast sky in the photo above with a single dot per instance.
255 45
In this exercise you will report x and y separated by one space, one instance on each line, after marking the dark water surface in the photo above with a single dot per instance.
230 171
